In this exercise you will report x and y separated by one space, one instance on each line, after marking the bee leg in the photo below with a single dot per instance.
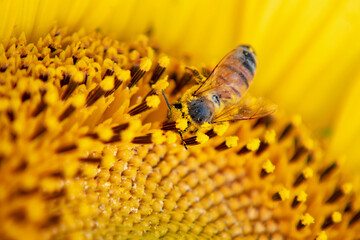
183 141
167 103
196 74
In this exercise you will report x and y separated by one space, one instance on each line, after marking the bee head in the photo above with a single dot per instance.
200 110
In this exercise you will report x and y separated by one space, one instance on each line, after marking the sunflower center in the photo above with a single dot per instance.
86 151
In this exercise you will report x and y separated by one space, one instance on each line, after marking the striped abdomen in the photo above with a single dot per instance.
234 74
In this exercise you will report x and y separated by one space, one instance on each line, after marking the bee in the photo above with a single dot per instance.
222 96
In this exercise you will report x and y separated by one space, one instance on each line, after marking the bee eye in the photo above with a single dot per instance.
215 98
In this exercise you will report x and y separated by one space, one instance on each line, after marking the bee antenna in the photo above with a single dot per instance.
166 99
167 102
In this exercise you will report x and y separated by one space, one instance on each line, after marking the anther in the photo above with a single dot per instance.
159 69
66 148
326 173
143 139
298 153
330 220
267 168
304 221
184 80
145 66
150 102
354 219
286 131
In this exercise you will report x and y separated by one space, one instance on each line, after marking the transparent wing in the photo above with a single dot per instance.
211 82
247 108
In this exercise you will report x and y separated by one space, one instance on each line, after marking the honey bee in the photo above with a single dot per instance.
221 97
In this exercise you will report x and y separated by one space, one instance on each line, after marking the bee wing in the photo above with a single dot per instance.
211 82
248 108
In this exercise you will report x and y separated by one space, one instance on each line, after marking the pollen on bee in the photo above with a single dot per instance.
181 124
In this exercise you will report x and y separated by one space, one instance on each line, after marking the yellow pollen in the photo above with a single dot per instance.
51 122
268 166
307 219
201 137
145 64
221 128
108 161
206 126
78 77
124 75
162 84
302 196
153 101
134 55
322 236
158 137
108 63
231 141
253 144
78 100
284 194
347 187
105 133
51 97
164 61
108 83
336 217
270 136
308 172
171 137
181 124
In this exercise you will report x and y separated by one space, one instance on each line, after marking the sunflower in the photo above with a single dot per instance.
87 152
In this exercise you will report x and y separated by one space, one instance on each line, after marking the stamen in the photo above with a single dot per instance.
106 85
143 139
66 148
145 66
286 131
117 129
228 143
267 168
159 69
298 153
326 173
306 173
299 199
354 219
40 131
76 80
330 220
281 195
304 221
150 102
185 79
